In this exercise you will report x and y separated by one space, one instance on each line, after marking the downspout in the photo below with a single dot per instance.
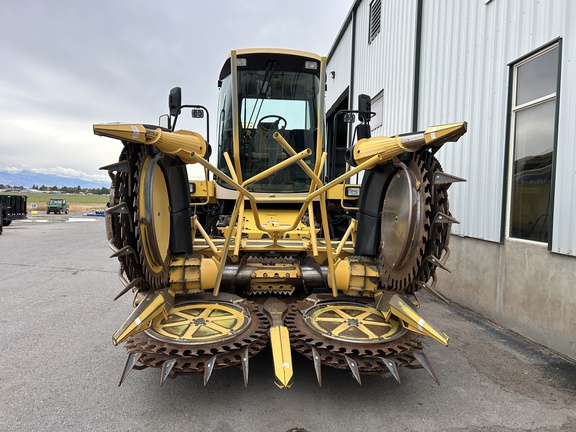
352 68
417 51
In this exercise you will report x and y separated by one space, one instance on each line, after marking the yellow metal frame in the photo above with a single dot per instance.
368 153
340 318
201 322
159 219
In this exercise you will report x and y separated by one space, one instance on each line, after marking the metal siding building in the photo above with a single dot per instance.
339 82
467 47
443 61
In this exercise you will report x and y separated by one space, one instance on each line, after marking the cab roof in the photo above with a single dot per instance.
289 59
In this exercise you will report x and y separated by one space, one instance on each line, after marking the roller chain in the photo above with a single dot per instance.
433 238
120 227
123 228
439 232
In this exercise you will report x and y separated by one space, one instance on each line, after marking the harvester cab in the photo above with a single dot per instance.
266 250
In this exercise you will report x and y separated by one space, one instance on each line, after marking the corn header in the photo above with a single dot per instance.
269 249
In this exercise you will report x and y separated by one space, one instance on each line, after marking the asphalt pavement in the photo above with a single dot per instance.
59 370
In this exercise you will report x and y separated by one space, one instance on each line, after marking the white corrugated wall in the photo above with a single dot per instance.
463 78
466 49
564 225
387 64
339 63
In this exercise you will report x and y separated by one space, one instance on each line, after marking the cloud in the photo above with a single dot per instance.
69 64
59 171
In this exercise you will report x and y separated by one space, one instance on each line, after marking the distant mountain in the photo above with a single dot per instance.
29 178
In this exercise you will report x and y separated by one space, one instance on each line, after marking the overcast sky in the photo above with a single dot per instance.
68 64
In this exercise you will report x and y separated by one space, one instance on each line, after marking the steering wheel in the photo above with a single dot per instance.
276 123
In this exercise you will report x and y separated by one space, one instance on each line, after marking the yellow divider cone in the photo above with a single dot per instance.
149 308
403 308
282 356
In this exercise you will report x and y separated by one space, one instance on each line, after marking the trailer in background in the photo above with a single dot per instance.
13 207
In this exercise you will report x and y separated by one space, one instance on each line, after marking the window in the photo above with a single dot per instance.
375 19
377 109
533 126
296 112
281 101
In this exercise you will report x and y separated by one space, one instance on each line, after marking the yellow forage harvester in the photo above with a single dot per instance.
280 245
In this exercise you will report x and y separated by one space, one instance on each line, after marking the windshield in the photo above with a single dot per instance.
271 101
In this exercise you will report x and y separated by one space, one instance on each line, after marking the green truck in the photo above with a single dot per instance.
57 206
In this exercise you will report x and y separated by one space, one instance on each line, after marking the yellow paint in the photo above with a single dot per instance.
282 356
156 232
404 309
204 190
355 277
201 322
149 308
353 322
248 51
193 274
181 143
276 218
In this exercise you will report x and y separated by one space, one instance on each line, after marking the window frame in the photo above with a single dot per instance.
377 104
513 109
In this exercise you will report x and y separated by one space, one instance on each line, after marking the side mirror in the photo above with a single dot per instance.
175 101
164 121
365 107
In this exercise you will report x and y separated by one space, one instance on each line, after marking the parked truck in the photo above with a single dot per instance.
57 206
13 207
